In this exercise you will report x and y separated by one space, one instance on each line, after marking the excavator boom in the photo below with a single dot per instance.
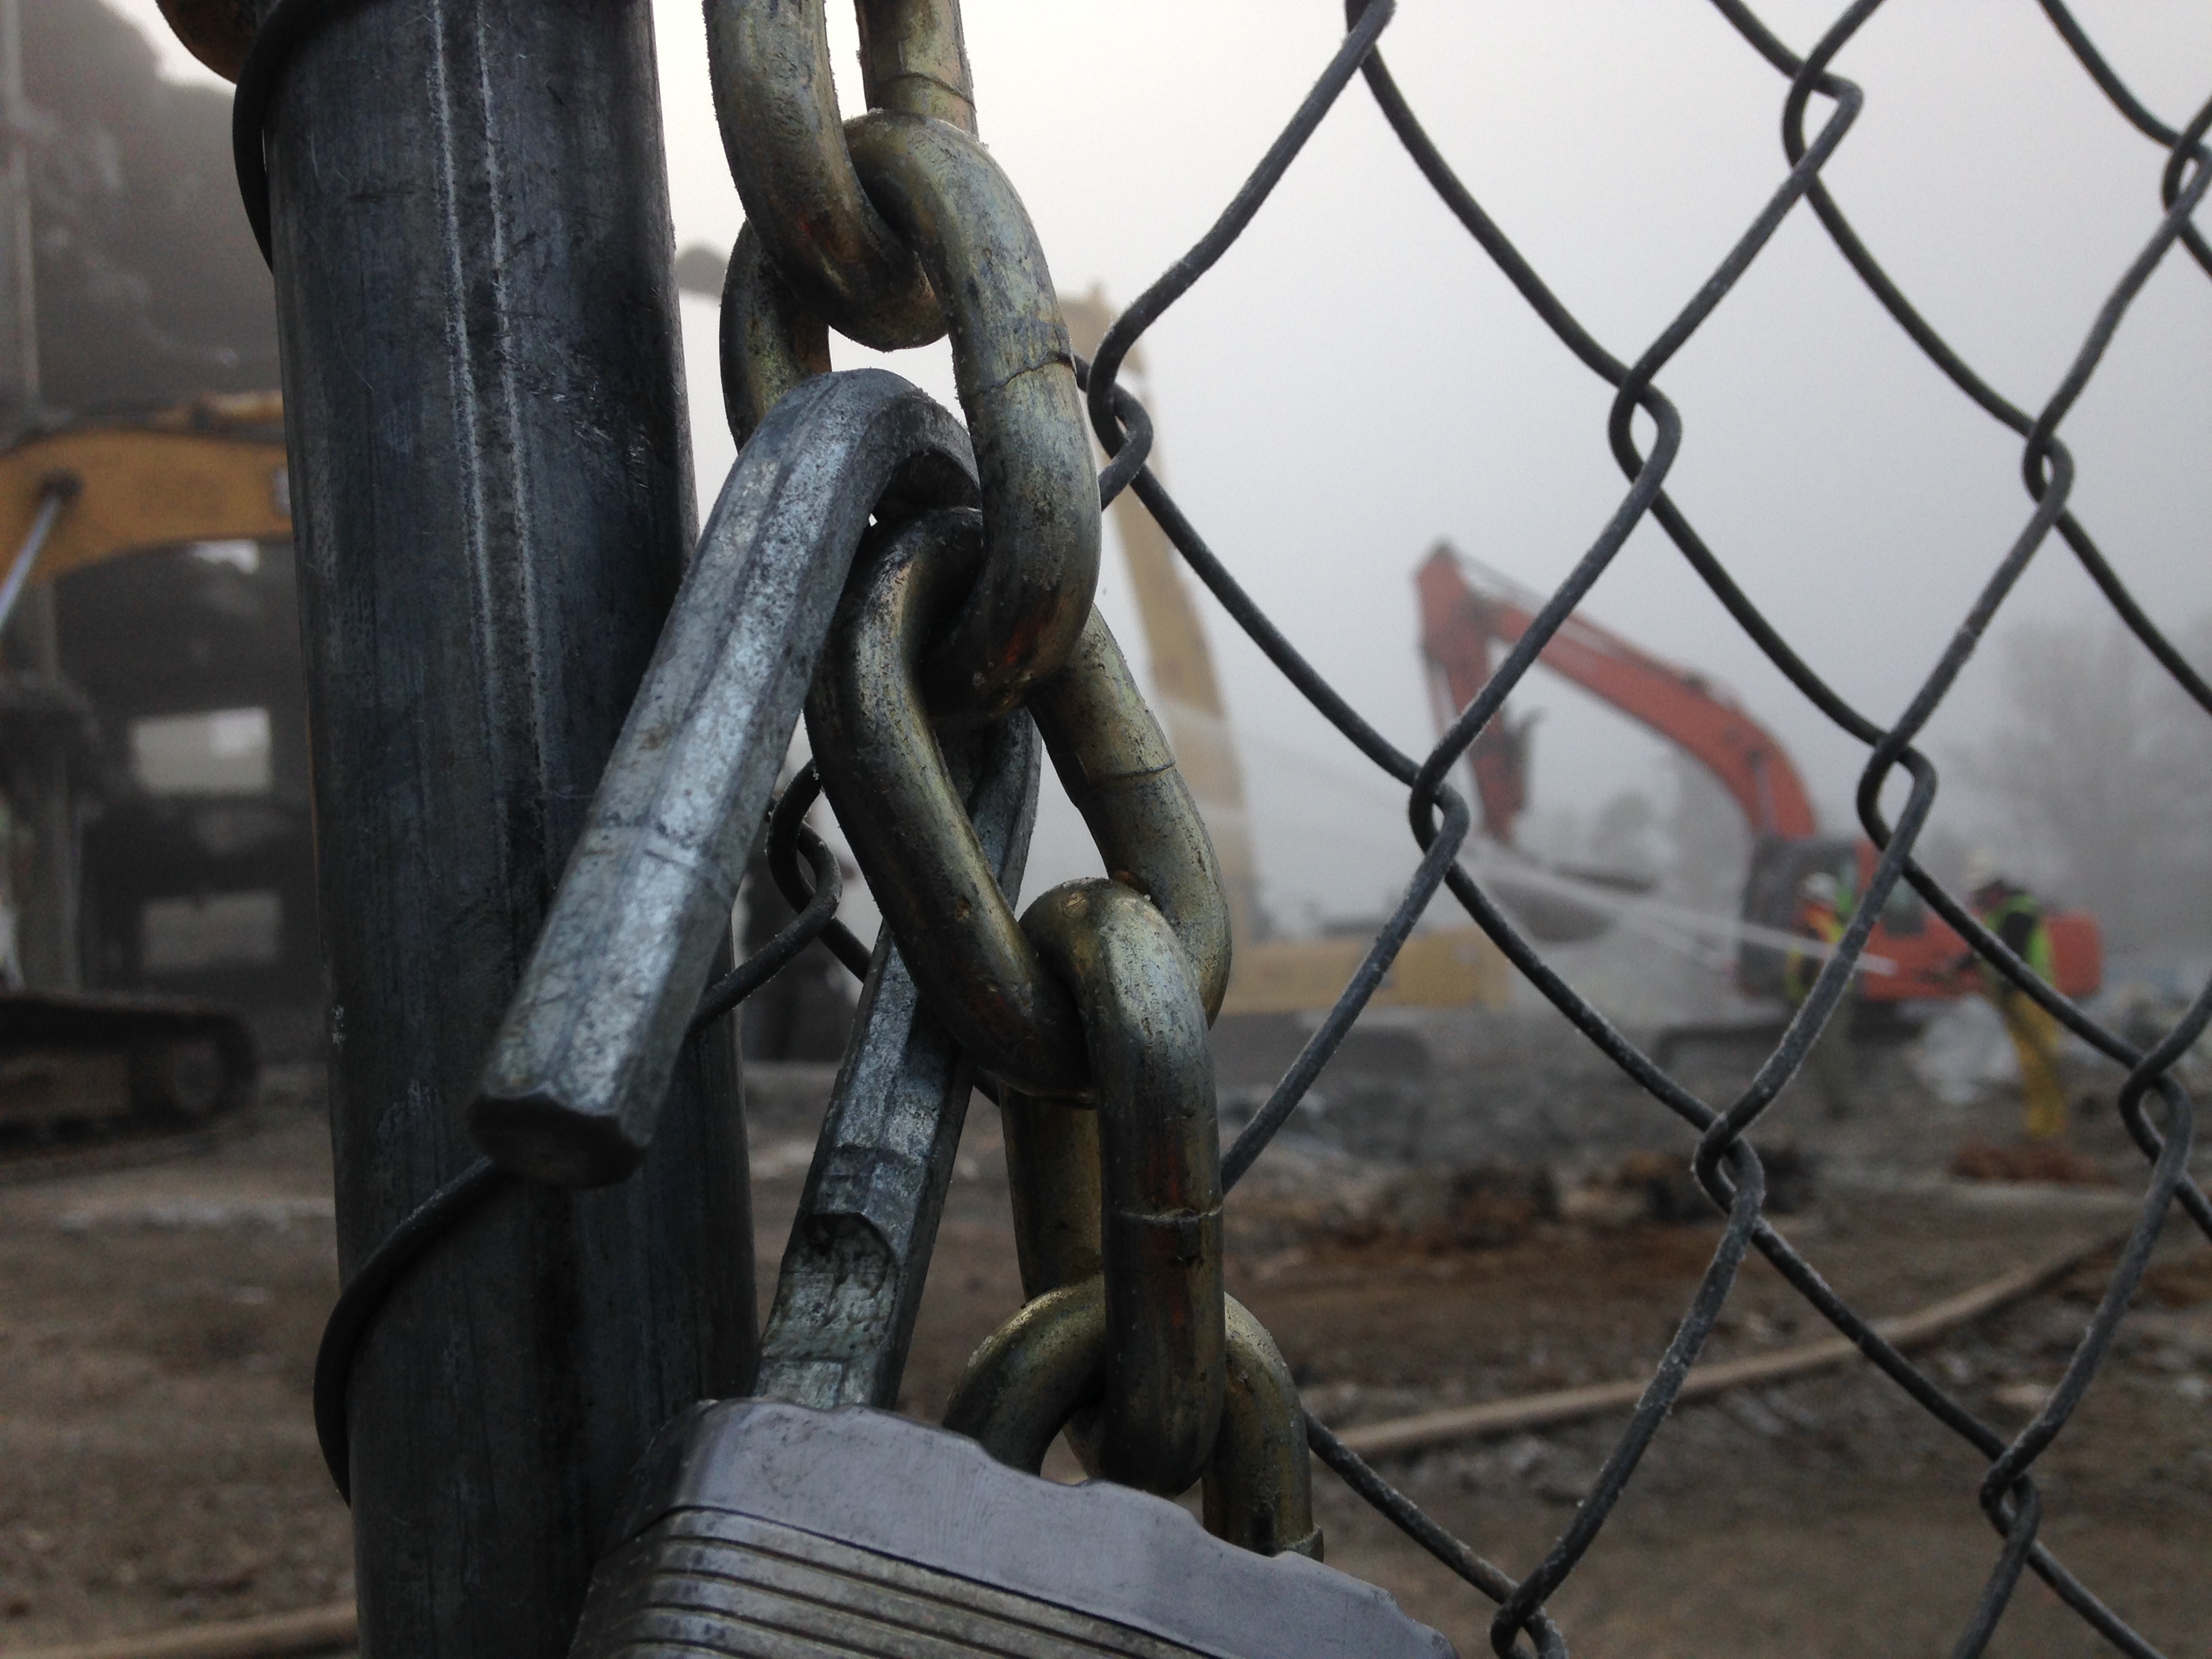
1464 608
212 471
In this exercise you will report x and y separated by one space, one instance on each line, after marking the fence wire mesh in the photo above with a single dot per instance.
2156 1109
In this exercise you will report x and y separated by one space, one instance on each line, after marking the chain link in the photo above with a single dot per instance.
936 192
776 99
883 772
1143 1192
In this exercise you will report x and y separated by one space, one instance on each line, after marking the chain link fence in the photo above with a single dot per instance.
1819 107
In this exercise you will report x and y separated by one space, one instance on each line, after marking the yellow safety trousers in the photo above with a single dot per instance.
2035 1039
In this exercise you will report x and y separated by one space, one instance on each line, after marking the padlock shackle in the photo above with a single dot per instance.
572 1089
1033 1374
1259 1486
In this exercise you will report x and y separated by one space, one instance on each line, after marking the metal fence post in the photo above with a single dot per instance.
494 503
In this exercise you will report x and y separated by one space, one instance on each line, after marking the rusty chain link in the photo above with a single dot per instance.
854 228
1138 1201
775 98
880 764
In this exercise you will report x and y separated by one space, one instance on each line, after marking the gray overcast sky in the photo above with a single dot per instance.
1356 379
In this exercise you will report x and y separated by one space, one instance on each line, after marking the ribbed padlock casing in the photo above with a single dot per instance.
778 1532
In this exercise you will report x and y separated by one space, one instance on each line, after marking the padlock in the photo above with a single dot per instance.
756 1528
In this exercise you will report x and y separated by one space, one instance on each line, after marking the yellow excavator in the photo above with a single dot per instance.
73 498
1447 968
79 501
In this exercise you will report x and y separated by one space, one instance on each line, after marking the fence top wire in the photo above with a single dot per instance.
1440 820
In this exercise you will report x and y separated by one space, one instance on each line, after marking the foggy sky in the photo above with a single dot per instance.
1355 381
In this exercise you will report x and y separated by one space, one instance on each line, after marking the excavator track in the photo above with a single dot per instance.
78 1066
30 1163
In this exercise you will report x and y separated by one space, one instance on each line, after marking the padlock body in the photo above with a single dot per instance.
705 1580
761 1528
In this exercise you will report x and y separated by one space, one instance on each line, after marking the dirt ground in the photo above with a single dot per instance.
158 1327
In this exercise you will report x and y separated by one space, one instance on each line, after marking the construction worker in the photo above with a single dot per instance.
1824 908
2015 916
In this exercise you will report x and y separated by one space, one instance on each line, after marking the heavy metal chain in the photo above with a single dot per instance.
1091 1011
967 606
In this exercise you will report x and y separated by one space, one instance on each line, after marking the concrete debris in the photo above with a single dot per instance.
2052 1163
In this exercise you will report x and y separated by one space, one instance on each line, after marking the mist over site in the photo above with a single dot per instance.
1356 382
1483 1234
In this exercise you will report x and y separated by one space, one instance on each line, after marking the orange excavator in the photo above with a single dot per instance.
1465 607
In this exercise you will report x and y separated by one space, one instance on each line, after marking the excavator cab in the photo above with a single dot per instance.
1914 955
1923 949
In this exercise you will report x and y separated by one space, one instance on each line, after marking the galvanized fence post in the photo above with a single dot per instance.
494 503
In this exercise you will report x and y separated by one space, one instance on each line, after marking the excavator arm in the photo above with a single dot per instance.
211 471
1184 680
1464 608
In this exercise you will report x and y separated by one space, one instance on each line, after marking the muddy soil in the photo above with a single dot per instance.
158 1326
